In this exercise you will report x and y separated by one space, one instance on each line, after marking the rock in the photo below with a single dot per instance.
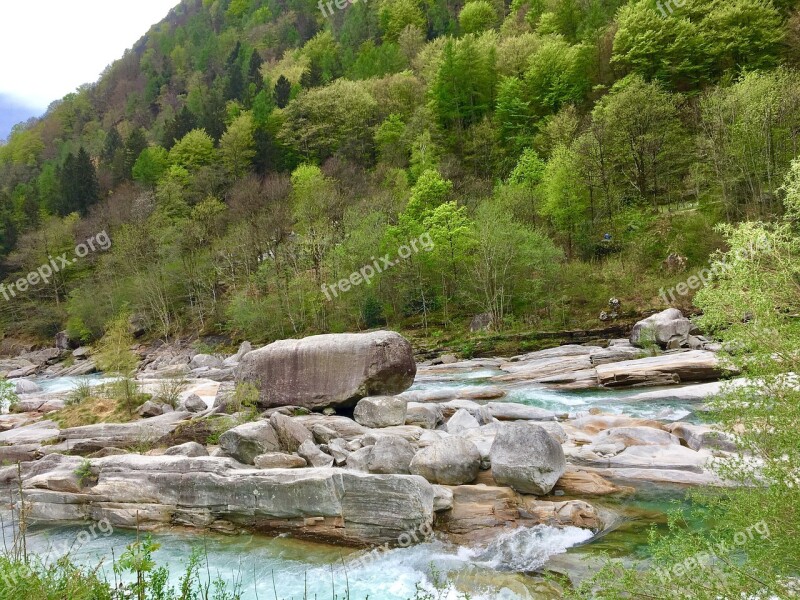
461 421
390 454
207 361
450 461
150 409
694 365
26 386
346 428
247 441
576 482
313 455
330 370
442 498
279 460
380 411
190 449
233 361
668 457
339 449
427 416
194 404
22 372
91 438
82 353
636 436
698 437
448 359
526 458
511 411
668 326
63 341
291 434
357 461
323 434
109 452
326 505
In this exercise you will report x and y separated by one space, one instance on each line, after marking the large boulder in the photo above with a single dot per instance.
330 370
247 441
668 329
450 461
527 458
381 411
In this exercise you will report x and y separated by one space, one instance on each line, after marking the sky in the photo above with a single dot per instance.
50 47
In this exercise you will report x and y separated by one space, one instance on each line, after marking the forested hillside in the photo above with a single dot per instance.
246 153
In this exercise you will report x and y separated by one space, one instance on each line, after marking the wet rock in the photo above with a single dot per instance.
527 458
330 370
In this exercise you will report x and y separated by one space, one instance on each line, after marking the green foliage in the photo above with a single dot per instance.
80 393
84 472
8 395
194 150
151 165
477 16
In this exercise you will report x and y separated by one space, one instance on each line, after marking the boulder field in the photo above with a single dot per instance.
463 459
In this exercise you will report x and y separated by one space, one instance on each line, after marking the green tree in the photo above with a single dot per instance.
477 16
194 150
151 165
237 146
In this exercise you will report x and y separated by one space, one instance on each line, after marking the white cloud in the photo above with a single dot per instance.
50 47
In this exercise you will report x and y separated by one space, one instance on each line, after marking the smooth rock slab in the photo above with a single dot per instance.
330 370
331 505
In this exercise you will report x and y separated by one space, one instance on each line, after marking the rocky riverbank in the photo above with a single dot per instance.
344 452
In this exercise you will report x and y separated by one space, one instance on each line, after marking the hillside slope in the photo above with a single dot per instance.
252 161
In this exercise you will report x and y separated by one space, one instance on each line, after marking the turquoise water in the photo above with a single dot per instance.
294 568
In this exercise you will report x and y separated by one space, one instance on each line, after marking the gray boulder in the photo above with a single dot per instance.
427 416
450 461
668 329
150 409
291 434
461 421
390 454
330 370
381 411
247 441
26 386
279 460
190 449
208 361
194 404
527 458
313 455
